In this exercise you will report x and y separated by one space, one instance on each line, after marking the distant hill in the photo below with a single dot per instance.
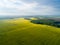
44 16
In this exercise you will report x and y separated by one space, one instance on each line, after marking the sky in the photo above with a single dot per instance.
29 7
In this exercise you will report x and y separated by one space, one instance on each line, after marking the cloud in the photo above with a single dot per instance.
19 7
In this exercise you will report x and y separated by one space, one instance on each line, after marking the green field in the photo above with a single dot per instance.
23 32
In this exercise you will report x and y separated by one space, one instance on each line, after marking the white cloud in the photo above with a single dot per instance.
24 8
22 5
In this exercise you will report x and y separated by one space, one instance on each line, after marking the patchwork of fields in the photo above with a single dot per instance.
23 32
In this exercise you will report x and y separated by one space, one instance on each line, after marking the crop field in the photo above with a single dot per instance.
22 32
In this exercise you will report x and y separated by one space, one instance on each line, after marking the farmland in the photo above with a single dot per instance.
23 32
